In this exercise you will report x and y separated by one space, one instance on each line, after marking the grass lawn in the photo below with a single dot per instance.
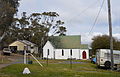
57 68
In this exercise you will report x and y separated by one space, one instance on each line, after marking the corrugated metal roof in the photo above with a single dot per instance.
67 42
84 46
27 42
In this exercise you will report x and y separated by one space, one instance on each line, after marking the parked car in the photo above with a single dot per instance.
93 60
6 51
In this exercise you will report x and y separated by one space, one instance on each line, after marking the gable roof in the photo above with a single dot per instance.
67 42
24 42
27 42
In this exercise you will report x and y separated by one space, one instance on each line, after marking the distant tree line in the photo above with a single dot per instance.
103 42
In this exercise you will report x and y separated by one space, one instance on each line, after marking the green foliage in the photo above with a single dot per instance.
34 28
7 10
103 42
61 31
37 26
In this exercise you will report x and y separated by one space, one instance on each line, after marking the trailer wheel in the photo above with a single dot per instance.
107 64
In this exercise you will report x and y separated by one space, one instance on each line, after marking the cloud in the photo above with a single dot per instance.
117 35
87 38
78 15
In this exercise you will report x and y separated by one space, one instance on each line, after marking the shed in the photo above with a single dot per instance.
21 45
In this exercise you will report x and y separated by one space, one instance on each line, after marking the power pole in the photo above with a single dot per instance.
110 34
25 58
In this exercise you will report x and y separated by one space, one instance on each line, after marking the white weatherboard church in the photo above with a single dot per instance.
65 47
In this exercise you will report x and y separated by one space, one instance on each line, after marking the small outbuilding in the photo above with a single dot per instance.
65 47
21 45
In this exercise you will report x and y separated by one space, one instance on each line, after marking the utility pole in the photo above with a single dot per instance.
47 56
25 59
110 34
71 58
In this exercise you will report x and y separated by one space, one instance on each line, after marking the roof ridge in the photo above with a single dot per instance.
26 42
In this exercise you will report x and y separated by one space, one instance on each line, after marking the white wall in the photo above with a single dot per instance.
57 53
75 54
34 50
49 46
29 48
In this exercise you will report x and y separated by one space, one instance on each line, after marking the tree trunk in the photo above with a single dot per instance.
2 36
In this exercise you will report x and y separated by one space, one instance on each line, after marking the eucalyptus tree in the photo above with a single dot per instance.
44 24
8 8
37 27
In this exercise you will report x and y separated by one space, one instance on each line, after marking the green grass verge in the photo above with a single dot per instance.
57 70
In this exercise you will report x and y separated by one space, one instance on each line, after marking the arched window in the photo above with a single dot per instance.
71 52
62 52
48 53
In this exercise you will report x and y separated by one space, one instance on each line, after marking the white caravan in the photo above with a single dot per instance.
103 57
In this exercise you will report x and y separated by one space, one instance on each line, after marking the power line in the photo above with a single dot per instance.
97 17
83 10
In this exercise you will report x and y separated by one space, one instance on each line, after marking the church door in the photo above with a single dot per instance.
84 55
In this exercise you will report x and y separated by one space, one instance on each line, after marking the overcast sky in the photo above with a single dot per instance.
78 15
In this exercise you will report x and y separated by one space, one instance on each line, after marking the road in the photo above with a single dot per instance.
14 59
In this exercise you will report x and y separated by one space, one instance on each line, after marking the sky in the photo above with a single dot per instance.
79 15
